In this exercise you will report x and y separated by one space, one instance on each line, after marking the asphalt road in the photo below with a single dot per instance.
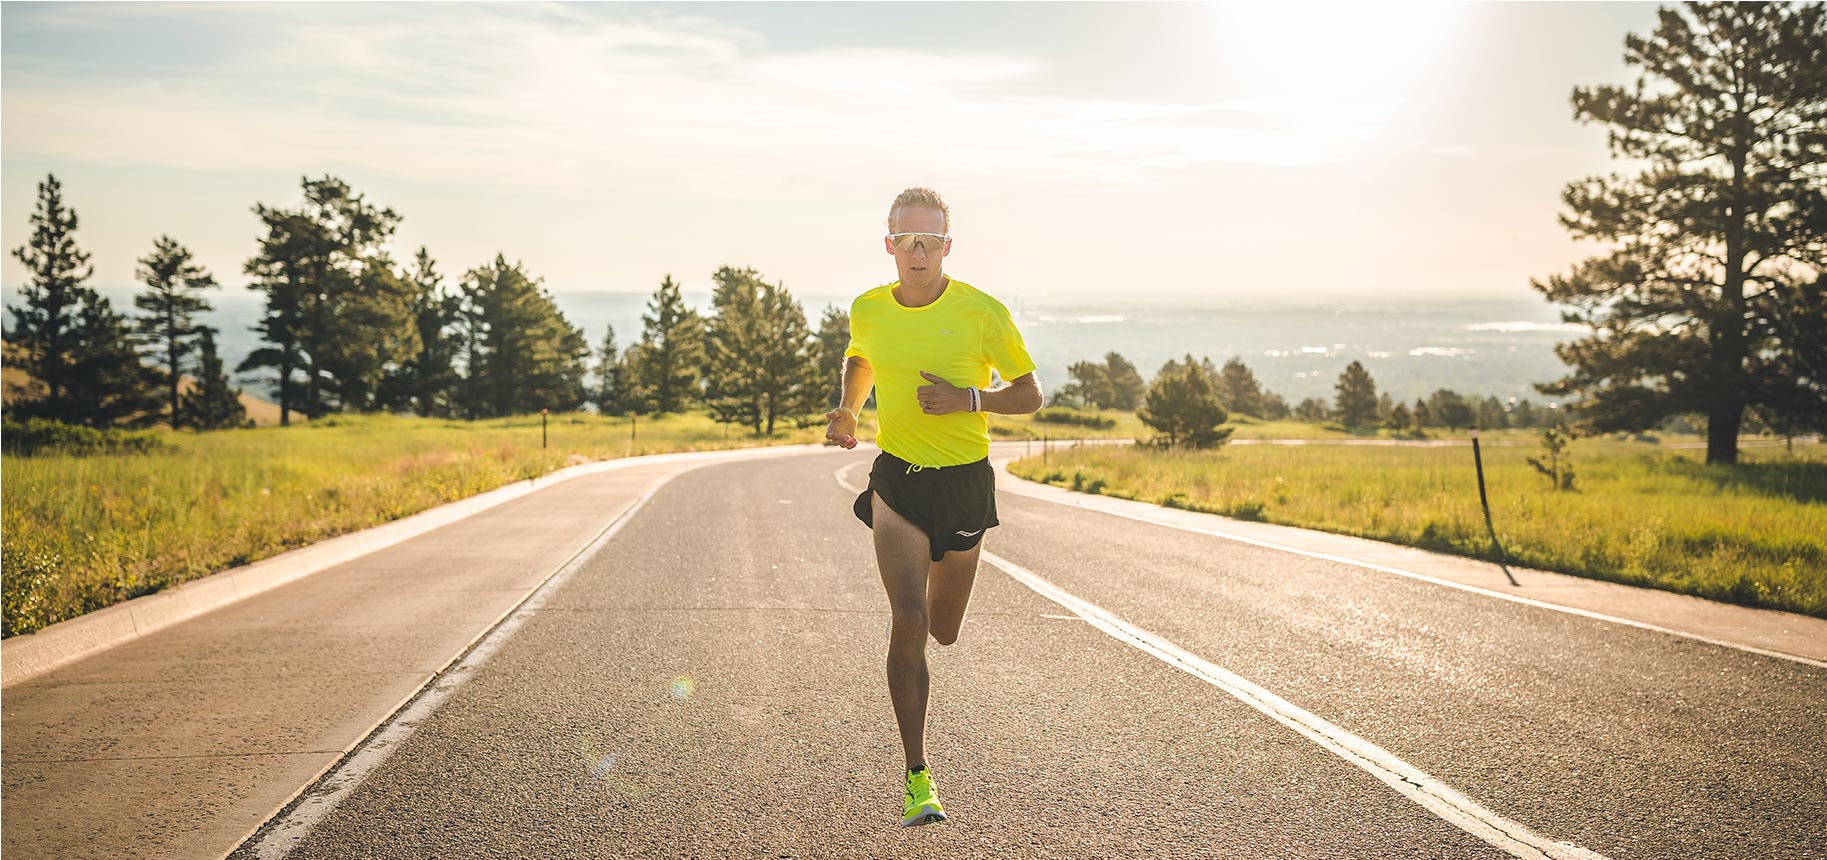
711 684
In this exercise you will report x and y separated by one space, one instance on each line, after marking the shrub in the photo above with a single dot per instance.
43 436
1062 415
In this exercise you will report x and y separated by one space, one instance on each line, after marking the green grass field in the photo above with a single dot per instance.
1641 513
86 532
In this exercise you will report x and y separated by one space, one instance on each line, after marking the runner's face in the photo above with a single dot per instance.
919 269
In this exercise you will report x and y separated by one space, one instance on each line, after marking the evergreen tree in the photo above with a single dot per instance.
1524 415
1274 408
380 335
760 353
280 270
611 391
671 354
1312 410
107 383
1126 383
1182 406
1090 385
45 328
1708 246
1491 415
521 354
427 382
1449 408
1239 389
170 306
1424 417
336 309
833 339
1357 397
733 348
211 404
1398 419
791 380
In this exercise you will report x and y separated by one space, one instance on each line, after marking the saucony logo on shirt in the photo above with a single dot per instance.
962 533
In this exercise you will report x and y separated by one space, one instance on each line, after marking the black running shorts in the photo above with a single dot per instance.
953 505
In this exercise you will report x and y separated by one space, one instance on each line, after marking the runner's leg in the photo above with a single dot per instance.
901 552
948 589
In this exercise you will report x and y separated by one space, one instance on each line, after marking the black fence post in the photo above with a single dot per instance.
1485 502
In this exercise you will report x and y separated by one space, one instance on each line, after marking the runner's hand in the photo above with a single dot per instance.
842 430
941 397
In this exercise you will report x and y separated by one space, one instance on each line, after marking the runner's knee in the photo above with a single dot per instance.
908 620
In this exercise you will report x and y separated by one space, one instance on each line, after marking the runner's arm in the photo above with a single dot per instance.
1020 397
858 376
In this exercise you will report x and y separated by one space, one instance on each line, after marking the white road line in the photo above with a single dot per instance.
1526 601
287 831
845 482
1451 806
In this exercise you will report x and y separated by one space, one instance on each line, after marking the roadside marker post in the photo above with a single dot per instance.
1485 502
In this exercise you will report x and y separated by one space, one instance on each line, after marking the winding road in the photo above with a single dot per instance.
706 680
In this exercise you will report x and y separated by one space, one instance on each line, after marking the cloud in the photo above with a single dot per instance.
566 99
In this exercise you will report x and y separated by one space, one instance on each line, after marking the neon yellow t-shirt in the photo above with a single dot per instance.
959 337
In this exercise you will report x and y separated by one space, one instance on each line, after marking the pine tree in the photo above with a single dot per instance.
1182 406
521 353
1424 417
45 328
107 383
1708 246
1449 407
611 394
211 404
1491 415
426 383
1240 391
280 270
733 348
672 349
792 381
1312 410
1357 397
760 354
833 339
1090 385
1126 384
1274 408
1398 419
170 306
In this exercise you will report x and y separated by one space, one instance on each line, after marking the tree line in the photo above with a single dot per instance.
1188 395
345 328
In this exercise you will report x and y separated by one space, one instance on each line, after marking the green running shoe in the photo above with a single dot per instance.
922 806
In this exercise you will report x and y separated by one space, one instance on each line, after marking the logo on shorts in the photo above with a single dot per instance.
969 534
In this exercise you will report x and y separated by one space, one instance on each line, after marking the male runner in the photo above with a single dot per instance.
928 342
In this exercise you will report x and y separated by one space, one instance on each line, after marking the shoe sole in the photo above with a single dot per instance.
926 815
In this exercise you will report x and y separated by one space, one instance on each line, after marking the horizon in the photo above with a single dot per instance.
1425 146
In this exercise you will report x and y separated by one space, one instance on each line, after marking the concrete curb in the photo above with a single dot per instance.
30 655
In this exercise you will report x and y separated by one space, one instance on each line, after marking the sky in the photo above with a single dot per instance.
1135 153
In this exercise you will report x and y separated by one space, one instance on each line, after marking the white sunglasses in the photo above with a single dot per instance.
933 242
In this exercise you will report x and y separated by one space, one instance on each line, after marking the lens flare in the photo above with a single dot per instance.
601 766
684 687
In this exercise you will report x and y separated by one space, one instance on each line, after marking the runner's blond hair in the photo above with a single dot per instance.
919 198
